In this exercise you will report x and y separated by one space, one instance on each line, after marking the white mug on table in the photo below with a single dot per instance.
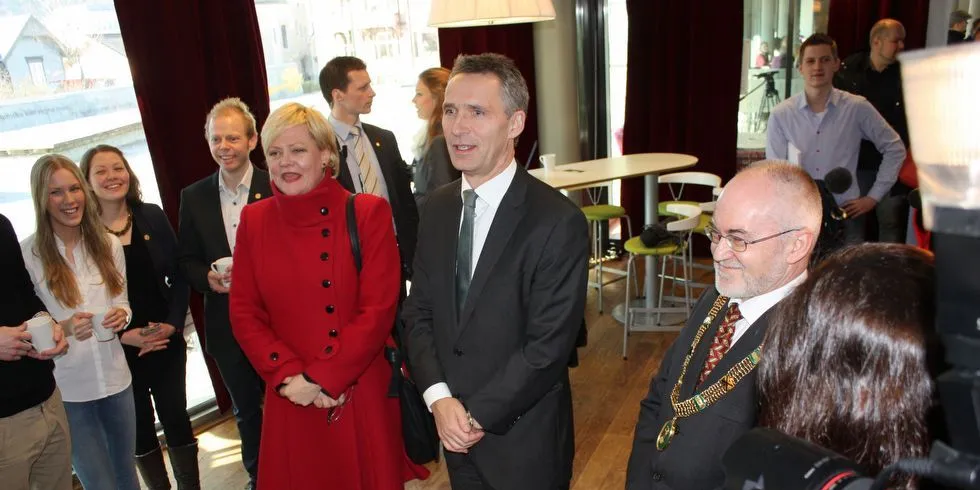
547 161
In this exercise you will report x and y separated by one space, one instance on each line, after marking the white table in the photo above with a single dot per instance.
572 176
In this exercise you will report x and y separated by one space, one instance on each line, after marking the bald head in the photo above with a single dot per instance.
887 39
779 191
884 27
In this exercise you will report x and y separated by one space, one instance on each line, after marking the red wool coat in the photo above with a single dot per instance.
298 306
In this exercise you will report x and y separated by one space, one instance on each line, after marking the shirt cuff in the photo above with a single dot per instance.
435 393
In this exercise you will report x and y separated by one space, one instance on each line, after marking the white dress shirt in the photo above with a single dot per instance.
488 198
753 308
91 370
233 200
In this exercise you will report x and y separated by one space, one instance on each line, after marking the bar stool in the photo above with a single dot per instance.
676 183
690 216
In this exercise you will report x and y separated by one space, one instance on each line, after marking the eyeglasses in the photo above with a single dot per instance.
739 244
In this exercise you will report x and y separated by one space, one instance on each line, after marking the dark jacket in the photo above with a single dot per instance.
434 170
884 91
955 37
162 244
27 382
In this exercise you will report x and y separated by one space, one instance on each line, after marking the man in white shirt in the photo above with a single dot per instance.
763 231
210 210
498 295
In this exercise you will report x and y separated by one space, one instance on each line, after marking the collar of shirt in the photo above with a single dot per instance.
753 308
492 191
833 99
342 129
246 182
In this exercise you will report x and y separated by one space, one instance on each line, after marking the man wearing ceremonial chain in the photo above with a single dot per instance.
703 397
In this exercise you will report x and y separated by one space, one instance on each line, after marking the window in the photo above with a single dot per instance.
65 86
391 36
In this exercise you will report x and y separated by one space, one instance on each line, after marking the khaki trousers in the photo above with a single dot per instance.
35 448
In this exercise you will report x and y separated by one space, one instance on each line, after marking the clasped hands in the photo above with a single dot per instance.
303 393
457 429
150 338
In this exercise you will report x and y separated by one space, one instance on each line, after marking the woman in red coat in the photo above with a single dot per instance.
314 328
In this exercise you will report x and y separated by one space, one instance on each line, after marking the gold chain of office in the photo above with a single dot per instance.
711 394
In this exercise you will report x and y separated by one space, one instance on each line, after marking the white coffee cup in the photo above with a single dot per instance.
102 334
547 161
42 333
221 266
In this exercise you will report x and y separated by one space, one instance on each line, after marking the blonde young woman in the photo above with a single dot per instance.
78 271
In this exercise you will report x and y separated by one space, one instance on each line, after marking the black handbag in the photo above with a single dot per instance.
419 432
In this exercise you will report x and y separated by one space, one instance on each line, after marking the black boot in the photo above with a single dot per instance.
184 461
152 470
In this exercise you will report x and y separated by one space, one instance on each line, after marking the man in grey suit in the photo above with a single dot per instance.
762 234
498 295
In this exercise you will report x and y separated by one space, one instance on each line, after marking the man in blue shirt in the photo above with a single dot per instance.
822 128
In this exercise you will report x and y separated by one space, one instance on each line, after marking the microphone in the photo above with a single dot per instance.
838 180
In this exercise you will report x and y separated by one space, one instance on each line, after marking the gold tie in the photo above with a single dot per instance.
369 179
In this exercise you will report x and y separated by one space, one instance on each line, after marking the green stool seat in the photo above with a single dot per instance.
601 212
635 246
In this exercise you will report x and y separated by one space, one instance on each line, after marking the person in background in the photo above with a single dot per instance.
779 56
957 27
373 164
36 445
822 127
210 211
153 342
974 31
433 167
762 59
703 397
845 364
79 270
313 324
877 76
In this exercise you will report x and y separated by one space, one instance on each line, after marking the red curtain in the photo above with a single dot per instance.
682 86
516 41
185 57
849 23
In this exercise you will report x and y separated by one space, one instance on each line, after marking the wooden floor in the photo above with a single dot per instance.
606 391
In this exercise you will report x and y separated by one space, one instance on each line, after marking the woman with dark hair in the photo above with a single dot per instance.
153 343
433 167
845 361
79 272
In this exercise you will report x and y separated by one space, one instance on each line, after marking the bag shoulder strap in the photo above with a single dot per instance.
355 240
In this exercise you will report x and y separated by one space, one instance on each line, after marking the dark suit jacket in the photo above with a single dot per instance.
397 178
505 357
435 169
162 244
202 241
693 458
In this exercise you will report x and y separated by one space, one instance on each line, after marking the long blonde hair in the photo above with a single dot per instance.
57 274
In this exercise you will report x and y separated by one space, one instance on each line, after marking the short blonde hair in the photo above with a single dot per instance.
293 114
232 104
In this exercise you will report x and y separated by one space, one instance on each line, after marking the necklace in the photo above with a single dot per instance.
700 401
129 224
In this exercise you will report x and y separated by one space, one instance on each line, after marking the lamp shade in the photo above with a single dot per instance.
463 13
942 104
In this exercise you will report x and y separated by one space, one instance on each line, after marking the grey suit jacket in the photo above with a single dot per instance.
505 357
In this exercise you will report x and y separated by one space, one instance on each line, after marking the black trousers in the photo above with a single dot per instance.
246 389
464 475
160 381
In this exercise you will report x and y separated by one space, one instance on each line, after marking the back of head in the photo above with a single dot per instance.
513 87
844 364
232 105
957 17
334 75
818 39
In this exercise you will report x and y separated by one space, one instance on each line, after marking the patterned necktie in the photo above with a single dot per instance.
369 179
464 249
722 342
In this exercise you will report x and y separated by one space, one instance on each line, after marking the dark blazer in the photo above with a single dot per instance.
202 241
435 169
506 356
162 244
397 179
693 458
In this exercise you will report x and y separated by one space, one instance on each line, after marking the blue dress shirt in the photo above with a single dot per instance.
833 139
